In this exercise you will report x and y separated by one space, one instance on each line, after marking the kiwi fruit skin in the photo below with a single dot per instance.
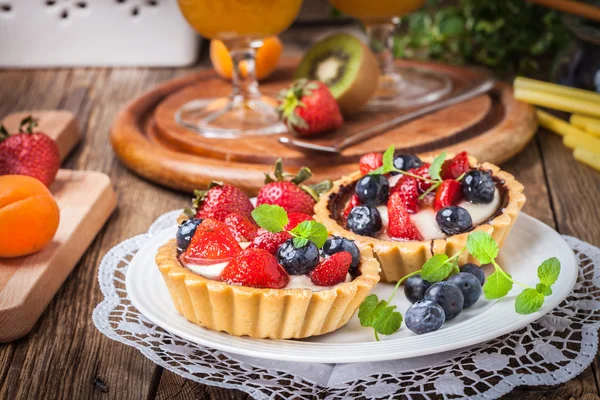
362 86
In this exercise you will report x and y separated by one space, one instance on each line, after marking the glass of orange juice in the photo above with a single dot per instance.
241 25
399 87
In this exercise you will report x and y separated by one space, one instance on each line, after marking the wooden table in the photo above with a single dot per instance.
66 357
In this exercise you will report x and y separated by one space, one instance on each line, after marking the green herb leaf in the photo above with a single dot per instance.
387 162
300 242
543 289
436 166
379 315
365 311
437 268
548 271
529 301
270 217
497 285
310 230
482 246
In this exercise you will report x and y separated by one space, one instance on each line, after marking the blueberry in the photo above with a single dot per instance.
405 162
364 220
448 296
372 190
298 260
478 186
453 220
335 244
475 270
424 316
185 232
415 288
469 286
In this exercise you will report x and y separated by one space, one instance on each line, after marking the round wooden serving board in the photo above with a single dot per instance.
146 137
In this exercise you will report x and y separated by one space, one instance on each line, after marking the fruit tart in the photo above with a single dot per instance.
263 272
407 209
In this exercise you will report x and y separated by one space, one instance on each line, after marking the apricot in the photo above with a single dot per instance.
266 58
29 215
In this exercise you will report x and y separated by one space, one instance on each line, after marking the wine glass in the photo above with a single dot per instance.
242 25
399 87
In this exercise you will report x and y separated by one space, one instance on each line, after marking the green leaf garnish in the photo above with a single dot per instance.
497 285
543 289
436 166
437 268
309 230
548 271
270 217
529 301
387 162
482 246
379 315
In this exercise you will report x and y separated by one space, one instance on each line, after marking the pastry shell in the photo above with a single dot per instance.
264 313
399 258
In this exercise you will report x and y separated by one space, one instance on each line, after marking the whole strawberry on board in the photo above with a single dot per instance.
218 201
308 108
29 153
291 195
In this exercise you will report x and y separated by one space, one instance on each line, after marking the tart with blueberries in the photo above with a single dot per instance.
264 272
407 209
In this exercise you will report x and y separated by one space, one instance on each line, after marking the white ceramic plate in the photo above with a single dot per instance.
530 243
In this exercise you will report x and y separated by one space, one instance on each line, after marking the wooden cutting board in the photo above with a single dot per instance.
86 200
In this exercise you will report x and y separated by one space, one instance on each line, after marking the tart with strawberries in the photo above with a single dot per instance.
407 209
265 272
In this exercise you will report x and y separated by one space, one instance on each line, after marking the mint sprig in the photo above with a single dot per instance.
274 219
388 166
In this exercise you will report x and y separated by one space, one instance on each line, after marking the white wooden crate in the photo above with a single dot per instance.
53 33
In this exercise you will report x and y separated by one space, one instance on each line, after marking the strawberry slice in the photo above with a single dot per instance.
370 162
255 268
333 270
354 201
456 166
295 218
408 188
269 241
400 225
447 194
212 243
243 229
422 171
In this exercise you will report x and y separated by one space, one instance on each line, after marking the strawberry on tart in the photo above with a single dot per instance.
407 209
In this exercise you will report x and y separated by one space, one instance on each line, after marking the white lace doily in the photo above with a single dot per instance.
556 348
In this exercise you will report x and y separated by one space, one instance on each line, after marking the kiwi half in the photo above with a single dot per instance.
347 66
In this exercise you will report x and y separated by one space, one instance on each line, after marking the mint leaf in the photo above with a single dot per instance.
387 162
529 301
543 289
270 217
365 311
310 230
548 271
388 321
436 166
437 268
497 285
482 246
300 242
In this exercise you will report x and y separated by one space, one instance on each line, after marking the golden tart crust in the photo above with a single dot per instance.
264 313
398 258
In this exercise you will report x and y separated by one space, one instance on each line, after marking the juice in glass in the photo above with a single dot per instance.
241 25
377 10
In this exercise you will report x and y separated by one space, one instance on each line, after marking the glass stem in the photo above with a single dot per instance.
245 85
381 40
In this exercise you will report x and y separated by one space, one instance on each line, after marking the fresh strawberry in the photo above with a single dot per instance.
447 194
422 171
255 268
370 162
212 242
456 166
407 186
332 270
295 218
269 241
400 225
288 194
29 153
243 229
219 201
354 201
308 108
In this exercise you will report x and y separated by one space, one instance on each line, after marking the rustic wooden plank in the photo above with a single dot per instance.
174 387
